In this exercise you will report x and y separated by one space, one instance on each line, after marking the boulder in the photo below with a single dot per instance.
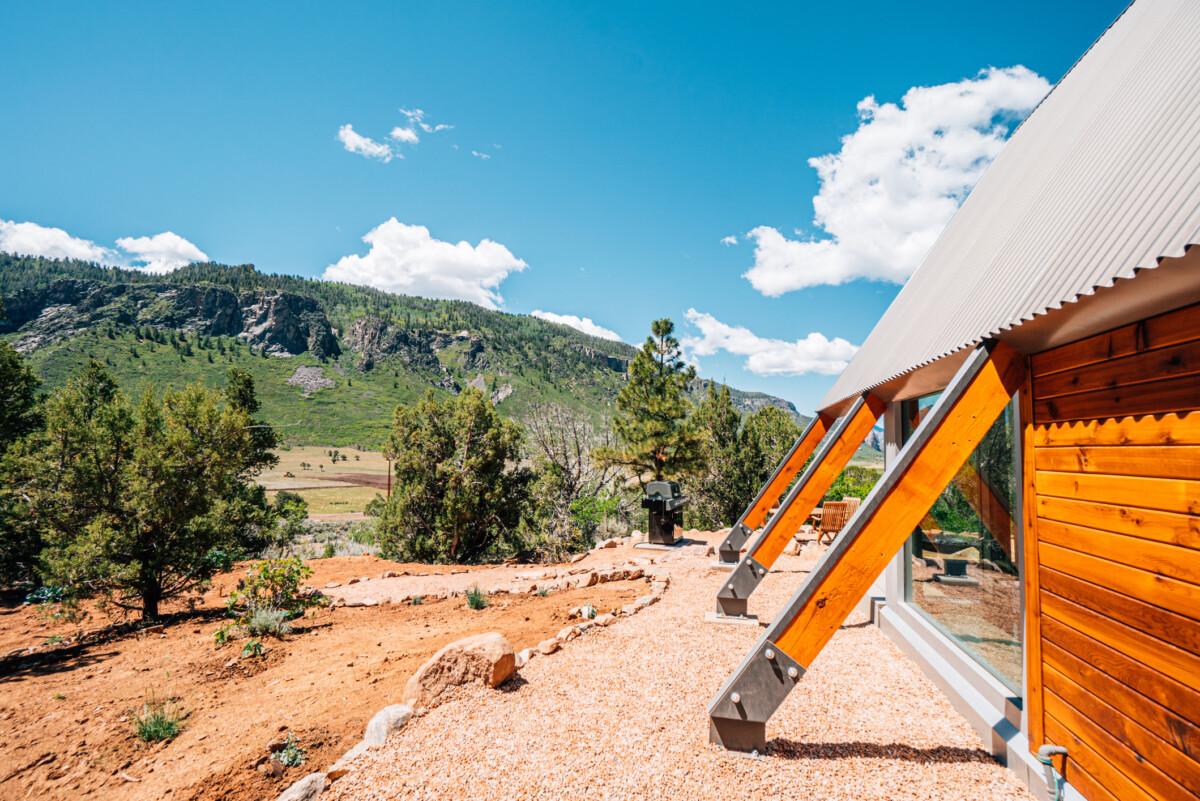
586 580
604 620
579 557
547 647
386 721
567 634
635 538
486 658
306 789
628 609
608 544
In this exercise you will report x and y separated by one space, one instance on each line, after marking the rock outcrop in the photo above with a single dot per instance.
374 340
611 362
283 323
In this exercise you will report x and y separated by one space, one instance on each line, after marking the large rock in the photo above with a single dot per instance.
306 789
485 658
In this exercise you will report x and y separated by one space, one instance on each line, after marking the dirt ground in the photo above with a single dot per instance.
66 726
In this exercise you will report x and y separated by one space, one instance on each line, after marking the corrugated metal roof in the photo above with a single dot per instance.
1100 181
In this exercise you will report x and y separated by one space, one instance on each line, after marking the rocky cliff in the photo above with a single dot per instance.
282 323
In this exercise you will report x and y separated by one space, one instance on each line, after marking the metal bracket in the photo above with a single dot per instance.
730 549
737 589
738 715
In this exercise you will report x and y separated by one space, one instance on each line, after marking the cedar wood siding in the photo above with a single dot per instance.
1113 558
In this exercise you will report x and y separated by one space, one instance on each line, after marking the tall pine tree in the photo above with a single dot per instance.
653 426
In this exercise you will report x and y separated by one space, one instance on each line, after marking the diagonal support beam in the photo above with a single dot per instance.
730 549
837 449
953 429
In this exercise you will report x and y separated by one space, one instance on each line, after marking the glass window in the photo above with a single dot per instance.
963 567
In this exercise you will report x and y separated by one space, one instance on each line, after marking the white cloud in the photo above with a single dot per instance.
161 253
813 354
729 240
483 156
356 143
406 259
405 135
31 239
896 182
416 119
583 324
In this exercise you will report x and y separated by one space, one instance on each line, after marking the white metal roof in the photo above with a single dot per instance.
1100 181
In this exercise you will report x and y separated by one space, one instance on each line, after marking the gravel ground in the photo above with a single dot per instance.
620 713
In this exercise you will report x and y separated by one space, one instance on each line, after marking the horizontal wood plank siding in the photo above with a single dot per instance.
1116 460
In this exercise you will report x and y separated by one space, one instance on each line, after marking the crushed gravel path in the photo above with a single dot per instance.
620 713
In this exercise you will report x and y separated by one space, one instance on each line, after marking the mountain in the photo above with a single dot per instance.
330 361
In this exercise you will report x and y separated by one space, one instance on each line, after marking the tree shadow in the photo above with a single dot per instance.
60 660
784 748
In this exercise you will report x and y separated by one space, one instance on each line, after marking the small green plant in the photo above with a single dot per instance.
157 720
59 697
477 598
329 551
417 600
292 755
252 649
273 585
588 611
543 592
54 639
268 622
222 635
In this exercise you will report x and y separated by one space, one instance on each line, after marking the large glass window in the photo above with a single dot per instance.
963 562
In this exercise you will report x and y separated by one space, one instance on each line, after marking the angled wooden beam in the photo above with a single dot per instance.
837 449
953 429
730 549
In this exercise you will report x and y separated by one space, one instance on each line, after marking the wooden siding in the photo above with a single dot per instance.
1112 454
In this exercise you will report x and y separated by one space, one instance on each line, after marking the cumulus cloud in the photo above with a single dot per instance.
31 239
405 135
406 259
583 324
887 194
365 146
161 253
813 354
729 240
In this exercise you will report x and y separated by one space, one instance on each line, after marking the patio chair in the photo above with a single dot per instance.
834 517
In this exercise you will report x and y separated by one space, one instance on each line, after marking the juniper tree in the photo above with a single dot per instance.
459 494
20 416
657 437
140 502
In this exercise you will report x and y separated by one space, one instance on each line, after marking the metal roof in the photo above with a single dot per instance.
1100 181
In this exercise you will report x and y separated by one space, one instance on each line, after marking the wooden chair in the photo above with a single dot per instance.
834 517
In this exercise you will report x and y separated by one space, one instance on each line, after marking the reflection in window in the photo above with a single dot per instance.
963 569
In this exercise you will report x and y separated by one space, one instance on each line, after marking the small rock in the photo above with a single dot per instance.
353 580
332 585
574 612
608 544
587 580
629 609
390 574
487 658
635 538
548 647
524 656
584 625
306 789
604 620
792 548
579 557
153 629
567 634
386 721
272 767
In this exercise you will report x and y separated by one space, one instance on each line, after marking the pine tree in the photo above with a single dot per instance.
659 440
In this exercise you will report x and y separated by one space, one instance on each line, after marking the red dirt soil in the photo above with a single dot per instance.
66 726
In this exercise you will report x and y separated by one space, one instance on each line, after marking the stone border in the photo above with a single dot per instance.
394 718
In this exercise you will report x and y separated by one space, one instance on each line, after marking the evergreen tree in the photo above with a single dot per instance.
141 502
727 482
20 417
653 426
459 494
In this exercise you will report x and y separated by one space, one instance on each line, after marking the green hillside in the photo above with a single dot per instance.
363 351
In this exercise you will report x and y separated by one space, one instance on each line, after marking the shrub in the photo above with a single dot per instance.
158 720
273 622
418 600
251 649
476 598
329 551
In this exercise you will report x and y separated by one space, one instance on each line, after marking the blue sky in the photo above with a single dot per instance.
625 141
